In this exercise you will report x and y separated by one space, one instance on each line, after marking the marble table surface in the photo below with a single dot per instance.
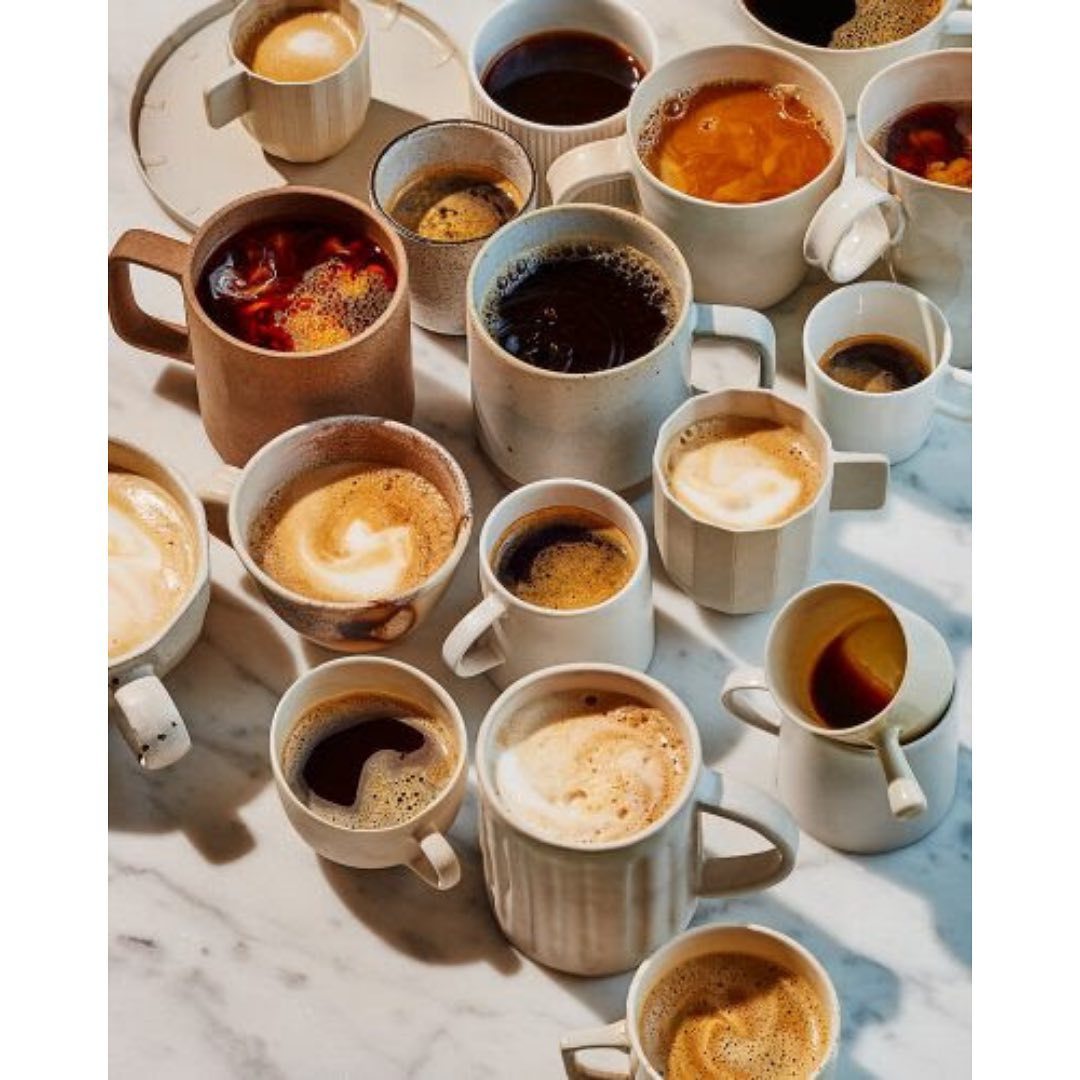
235 952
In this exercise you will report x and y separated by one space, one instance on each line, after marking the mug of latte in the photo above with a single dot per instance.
592 797
159 590
722 1001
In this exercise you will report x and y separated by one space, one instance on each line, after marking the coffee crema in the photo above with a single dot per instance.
875 364
734 1016
743 472
303 46
367 760
453 203
932 141
845 24
153 555
354 532
585 767
735 142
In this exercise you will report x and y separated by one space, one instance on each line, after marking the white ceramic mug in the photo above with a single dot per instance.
898 422
533 423
739 253
297 121
147 716
921 227
594 909
419 843
518 19
507 637
739 571
749 940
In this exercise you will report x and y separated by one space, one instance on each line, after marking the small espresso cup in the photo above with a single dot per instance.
518 19
344 625
419 843
438 268
599 908
921 227
507 637
895 423
298 121
147 717
533 423
248 394
738 253
743 570
629 1036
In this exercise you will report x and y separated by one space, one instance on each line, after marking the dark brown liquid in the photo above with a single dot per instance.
845 24
932 141
875 364
563 77
857 674
455 202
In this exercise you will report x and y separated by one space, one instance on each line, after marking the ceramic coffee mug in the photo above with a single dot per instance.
533 423
849 70
749 940
347 626
594 909
248 394
739 571
297 121
803 629
739 253
438 268
147 716
922 228
507 637
898 422
519 19
419 843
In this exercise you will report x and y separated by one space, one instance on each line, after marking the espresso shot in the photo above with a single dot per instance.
875 364
845 24
454 203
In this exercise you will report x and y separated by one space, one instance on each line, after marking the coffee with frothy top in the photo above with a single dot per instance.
302 46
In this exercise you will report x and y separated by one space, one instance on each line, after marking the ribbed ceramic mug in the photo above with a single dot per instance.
594 909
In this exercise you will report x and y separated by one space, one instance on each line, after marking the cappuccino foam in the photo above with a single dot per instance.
591 767
302 47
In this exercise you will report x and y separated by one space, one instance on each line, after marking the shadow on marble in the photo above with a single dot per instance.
176 384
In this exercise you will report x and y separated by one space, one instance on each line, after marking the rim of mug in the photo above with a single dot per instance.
302 433
593 126
188 280
486 732
838 146
197 518
629 218
866 140
669 432
428 241
939 368
486 550
453 714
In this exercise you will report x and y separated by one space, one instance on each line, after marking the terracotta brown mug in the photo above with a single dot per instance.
249 394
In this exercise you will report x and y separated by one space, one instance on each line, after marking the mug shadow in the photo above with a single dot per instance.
176 384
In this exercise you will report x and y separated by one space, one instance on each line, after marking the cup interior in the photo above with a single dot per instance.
256 16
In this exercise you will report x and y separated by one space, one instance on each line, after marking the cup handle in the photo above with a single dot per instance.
218 488
740 681
135 326
731 875
852 229
949 408
612 1037
740 324
906 797
860 481
150 722
462 653
226 97
435 863
583 166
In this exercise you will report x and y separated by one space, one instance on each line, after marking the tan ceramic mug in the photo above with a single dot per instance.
248 394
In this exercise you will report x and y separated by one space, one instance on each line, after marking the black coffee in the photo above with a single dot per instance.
563 77
845 24
580 308
858 673
875 364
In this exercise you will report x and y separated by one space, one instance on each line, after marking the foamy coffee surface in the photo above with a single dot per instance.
877 22
591 767
735 1016
153 553
742 472
354 531
303 46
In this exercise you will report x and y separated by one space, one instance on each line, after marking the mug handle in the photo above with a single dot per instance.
462 653
226 97
150 722
612 1037
740 681
594 163
852 229
155 252
217 489
732 875
435 863
860 481
906 796
949 408
740 324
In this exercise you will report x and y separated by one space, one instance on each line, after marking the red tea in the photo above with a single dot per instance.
297 286
932 141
